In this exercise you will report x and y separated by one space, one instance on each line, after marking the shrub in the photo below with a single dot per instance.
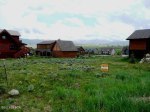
30 88
118 52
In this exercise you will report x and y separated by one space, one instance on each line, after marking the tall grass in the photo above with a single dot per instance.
72 85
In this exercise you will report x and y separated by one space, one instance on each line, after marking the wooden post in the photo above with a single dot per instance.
5 72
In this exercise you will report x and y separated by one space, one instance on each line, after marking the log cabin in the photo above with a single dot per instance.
10 45
139 43
58 48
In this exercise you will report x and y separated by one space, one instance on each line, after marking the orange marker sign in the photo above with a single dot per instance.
104 68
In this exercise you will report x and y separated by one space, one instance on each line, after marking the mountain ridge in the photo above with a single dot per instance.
101 42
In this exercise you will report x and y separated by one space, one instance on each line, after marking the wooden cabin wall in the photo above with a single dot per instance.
56 47
8 45
139 47
5 44
65 54
139 44
16 37
44 46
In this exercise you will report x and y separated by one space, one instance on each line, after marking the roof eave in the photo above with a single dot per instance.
136 38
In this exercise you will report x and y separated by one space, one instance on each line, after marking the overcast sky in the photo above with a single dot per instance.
75 19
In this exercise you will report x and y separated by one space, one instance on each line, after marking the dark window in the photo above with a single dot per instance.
13 47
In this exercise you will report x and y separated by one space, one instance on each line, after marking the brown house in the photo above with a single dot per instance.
45 48
139 43
10 45
58 48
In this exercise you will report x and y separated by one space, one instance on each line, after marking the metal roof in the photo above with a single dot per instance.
140 34
11 32
66 45
47 42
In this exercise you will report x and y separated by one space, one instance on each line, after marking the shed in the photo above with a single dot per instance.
139 43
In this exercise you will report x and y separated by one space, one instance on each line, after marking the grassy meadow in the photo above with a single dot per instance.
75 85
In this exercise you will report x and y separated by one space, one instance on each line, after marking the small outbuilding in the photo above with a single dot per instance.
139 43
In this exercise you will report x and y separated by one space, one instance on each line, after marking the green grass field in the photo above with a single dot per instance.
75 85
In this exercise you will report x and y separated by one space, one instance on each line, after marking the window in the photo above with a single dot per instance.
13 47
3 37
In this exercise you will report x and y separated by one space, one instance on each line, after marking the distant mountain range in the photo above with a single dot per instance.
31 42
96 42
101 42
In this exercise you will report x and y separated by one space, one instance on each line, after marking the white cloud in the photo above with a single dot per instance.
115 30
23 15
73 22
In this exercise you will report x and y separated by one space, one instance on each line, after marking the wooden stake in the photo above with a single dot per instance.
5 71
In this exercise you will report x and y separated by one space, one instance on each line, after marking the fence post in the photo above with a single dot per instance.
5 72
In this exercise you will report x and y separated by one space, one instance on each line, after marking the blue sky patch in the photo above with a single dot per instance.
54 18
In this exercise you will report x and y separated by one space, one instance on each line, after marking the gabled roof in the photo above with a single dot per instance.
66 45
140 34
47 42
11 32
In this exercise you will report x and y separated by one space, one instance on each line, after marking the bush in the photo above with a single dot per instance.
118 52
30 88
